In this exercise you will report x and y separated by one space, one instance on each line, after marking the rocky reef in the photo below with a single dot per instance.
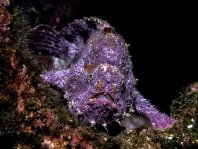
35 115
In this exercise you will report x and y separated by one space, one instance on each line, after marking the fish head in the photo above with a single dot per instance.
103 101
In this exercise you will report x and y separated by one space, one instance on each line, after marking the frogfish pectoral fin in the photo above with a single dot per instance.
57 78
158 120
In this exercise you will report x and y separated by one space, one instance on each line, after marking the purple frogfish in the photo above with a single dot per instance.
99 84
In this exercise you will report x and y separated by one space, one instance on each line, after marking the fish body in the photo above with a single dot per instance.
99 85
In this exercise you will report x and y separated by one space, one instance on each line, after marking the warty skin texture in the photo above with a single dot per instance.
99 85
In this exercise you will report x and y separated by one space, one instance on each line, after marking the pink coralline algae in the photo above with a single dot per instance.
99 85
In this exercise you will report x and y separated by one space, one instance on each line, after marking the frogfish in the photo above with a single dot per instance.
99 84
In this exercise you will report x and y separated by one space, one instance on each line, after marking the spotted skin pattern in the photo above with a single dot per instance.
99 85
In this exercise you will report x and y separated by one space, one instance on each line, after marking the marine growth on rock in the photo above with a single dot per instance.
99 85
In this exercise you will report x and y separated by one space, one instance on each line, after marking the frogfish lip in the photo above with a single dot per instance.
100 109
102 95
102 98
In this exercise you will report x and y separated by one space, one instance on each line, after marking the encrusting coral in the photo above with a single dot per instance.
5 20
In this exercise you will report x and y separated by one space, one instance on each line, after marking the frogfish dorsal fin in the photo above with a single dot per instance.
45 40
66 44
